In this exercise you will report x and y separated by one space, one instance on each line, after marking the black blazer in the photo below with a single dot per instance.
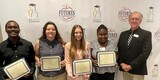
137 52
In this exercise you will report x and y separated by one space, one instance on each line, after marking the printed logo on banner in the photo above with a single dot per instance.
112 35
124 14
157 35
33 13
97 14
150 15
66 13
155 71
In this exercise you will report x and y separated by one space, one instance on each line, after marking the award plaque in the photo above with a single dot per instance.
83 66
106 58
17 69
50 63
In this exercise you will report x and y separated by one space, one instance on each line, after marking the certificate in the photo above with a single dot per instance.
106 58
83 66
17 69
51 63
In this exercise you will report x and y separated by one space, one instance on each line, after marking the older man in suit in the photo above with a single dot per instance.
134 47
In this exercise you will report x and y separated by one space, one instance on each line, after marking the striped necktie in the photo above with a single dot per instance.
129 39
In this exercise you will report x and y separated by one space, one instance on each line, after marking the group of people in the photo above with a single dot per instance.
134 47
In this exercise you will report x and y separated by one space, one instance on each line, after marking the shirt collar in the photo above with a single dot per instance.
19 42
130 31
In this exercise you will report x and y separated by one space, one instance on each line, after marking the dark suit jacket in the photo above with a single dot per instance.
137 52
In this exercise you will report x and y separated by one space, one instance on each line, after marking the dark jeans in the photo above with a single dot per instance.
22 78
105 76
29 78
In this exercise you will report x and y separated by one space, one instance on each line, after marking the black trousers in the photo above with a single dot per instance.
29 78
105 76
22 78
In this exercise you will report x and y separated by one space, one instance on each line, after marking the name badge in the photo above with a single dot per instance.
136 35
102 49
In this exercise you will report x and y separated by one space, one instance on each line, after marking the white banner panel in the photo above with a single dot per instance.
33 14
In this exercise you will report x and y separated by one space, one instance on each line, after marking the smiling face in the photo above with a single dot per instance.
50 31
135 20
12 29
102 36
78 34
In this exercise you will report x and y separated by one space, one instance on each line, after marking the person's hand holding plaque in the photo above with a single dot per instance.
95 62
39 63
86 76
74 77
13 72
27 75
63 63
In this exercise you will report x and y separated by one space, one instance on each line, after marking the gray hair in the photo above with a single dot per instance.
136 12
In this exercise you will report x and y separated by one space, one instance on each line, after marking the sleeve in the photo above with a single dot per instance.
68 60
1 77
31 59
146 49
2 73
118 53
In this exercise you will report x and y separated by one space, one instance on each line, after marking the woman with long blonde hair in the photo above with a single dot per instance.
75 50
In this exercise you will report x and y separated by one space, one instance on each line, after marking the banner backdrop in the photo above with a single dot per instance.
33 14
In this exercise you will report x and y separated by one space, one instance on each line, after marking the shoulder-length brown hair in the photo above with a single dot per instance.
73 47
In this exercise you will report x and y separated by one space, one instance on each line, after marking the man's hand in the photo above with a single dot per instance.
126 67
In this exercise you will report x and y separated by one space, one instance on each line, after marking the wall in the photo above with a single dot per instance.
113 13
1 39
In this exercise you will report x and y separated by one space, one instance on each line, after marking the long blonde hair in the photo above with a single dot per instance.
73 47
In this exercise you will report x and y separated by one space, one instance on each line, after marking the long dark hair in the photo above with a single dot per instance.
57 36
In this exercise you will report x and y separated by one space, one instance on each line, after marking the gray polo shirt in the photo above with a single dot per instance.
96 47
